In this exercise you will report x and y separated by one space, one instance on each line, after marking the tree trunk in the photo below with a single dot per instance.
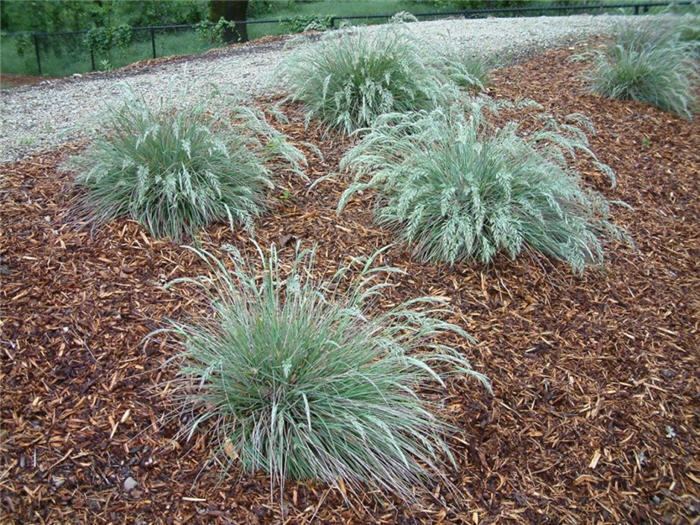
235 11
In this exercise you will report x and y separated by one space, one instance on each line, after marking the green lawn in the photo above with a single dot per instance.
355 8
67 55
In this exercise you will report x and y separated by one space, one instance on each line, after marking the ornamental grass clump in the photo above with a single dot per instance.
651 64
177 168
456 187
348 80
467 70
307 380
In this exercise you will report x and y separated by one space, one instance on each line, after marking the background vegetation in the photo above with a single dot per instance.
113 46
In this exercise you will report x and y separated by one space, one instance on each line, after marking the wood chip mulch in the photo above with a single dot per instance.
595 413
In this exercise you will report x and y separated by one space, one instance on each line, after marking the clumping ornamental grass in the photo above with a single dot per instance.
689 31
467 70
177 168
304 379
456 187
347 80
651 64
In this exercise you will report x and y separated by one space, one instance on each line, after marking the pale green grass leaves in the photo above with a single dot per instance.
176 168
349 78
656 64
456 187
308 379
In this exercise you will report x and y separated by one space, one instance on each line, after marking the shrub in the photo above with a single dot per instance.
302 381
457 187
348 80
650 64
300 23
214 32
104 39
178 169
403 17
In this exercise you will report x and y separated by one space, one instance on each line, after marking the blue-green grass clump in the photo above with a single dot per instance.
177 168
456 187
657 65
308 379
469 71
347 80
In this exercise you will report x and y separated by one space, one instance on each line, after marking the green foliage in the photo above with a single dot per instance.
456 187
177 169
106 65
104 39
403 17
160 12
348 80
300 23
651 64
213 32
301 380
23 44
261 8
108 23
76 15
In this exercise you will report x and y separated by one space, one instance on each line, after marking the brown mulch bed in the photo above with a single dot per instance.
596 400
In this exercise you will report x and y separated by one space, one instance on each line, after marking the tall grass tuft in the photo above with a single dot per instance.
176 169
456 187
305 379
465 69
470 72
689 31
348 80
653 64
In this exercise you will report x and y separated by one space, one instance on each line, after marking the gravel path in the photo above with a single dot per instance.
45 115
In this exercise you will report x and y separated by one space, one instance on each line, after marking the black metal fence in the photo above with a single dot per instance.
67 52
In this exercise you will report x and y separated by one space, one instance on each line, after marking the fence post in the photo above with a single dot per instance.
153 42
36 50
636 10
92 58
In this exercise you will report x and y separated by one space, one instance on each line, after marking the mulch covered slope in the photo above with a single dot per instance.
595 410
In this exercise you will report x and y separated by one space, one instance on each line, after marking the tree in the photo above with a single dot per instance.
79 15
232 10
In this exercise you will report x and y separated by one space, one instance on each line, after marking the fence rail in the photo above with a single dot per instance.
150 34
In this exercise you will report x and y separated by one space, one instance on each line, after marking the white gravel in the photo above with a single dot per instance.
46 115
